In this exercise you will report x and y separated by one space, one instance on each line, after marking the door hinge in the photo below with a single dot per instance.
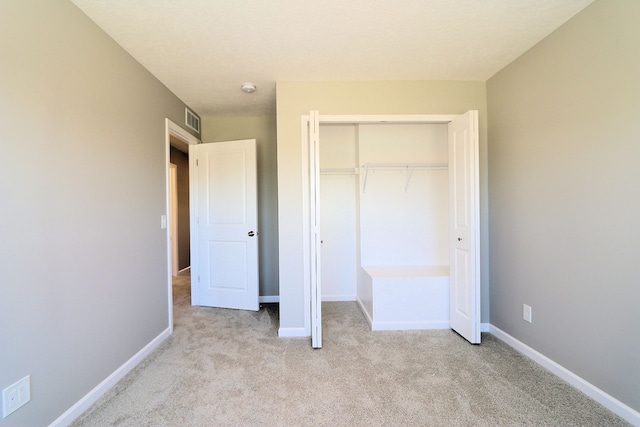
197 162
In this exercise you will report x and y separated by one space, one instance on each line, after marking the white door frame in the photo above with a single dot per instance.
306 180
175 131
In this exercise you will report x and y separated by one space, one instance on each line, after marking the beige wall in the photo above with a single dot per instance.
262 128
84 264
564 147
295 99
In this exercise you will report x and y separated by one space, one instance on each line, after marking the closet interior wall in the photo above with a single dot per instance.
339 211
378 209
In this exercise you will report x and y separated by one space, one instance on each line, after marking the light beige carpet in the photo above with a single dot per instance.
228 367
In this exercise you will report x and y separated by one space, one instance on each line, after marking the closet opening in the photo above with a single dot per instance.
390 224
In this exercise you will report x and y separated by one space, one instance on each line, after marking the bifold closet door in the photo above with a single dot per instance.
315 244
464 299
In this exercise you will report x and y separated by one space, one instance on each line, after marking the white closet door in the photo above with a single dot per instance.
464 310
315 255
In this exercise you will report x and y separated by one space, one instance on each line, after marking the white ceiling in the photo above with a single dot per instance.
203 50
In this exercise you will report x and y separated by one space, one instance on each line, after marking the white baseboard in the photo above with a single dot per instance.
485 327
401 326
364 311
606 400
326 298
410 326
90 398
338 298
293 333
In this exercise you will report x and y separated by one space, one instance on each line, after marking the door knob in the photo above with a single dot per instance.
251 234
459 239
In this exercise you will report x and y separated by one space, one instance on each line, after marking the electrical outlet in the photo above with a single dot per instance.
526 312
16 395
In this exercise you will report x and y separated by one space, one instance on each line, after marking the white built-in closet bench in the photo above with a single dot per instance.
408 297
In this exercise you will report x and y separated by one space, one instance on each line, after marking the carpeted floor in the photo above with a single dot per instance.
228 367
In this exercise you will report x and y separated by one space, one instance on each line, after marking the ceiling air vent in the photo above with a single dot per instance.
191 120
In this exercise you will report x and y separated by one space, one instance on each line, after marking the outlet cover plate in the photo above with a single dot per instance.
16 395
526 312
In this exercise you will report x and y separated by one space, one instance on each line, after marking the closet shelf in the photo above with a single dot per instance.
409 167
405 166
339 171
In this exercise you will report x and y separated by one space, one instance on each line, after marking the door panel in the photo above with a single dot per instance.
462 263
227 186
224 197
464 310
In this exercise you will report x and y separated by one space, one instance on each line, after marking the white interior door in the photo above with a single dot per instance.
224 239
464 310
315 250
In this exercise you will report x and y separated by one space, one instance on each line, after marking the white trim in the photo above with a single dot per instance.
98 391
172 129
485 327
180 133
293 333
399 119
410 326
364 311
327 298
184 269
605 399
396 326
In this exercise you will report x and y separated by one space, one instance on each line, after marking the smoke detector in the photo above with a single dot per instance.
248 87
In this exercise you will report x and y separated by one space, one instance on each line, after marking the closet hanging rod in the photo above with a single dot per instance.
404 166
410 167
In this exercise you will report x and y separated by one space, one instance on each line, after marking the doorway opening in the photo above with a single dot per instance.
179 210
177 141
173 215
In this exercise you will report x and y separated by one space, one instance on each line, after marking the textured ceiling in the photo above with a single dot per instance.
202 50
